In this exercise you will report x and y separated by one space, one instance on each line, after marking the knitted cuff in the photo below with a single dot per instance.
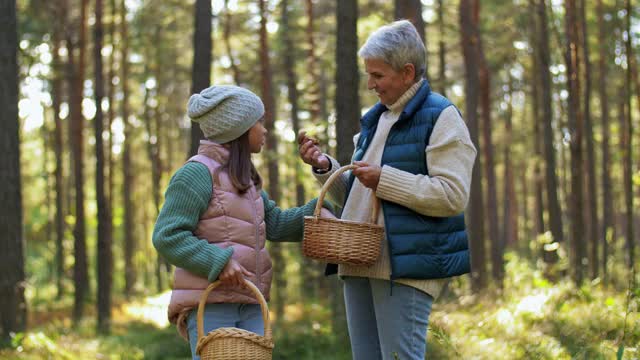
395 185
219 262
323 175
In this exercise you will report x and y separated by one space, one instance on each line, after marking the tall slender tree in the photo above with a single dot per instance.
442 49
347 101
271 150
285 31
226 36
111 111
13 308
104 254
313 68
510 207
591 208
544 61
469 34
292 88
202 56
536 122
128 181
607 203
412 11
76 67
628 144
576 127
56 99
484 81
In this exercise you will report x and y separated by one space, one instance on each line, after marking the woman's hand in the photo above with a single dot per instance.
310 152
233 274
369 175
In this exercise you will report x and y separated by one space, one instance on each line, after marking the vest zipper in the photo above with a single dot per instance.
257 242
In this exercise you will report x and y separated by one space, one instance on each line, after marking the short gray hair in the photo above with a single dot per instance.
396 44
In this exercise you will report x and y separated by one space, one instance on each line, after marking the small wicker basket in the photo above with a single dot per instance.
339 241
230 343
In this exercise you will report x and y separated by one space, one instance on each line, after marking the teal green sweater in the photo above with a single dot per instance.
186 198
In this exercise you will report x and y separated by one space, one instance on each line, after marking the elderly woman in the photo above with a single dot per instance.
415 157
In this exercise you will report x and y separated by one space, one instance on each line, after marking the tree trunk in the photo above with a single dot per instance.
347 104
104 254
153 149
313 91
442 78
201 71
510 212
127 164
607 203
292 91
576 127
308 282
476 207
164 137
76 83
591 209
46 176
13 309
484 77
56 97
536 122
544 59
412 11
226 34
280 281
347 79
111 100
627 139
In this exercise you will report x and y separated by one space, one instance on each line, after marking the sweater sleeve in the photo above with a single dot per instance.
287 225
450 156
186 198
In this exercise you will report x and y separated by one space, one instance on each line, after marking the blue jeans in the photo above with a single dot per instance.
242 316
385 324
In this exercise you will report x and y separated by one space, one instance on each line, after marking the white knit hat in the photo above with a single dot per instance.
225 112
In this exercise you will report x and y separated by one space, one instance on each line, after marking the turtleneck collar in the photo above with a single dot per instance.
397 106
213 150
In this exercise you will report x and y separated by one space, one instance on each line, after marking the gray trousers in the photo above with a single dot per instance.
386 323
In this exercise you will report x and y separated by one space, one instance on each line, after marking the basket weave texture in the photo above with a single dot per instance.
339 241
230 343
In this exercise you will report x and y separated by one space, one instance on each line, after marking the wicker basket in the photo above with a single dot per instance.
229 343
339 241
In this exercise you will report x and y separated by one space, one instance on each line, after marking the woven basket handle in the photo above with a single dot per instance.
327 184
256 293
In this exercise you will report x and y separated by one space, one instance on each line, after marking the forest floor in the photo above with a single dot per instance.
533 319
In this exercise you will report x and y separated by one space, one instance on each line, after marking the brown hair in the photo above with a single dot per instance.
242 172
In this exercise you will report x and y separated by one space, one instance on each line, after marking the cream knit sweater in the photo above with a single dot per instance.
444 192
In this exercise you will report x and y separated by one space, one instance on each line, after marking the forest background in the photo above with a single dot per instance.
93 124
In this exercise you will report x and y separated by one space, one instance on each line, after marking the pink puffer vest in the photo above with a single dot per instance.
232 219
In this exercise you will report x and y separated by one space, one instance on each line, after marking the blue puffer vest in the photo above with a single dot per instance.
420 247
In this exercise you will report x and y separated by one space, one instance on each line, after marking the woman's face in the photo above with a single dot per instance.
388 83
257 136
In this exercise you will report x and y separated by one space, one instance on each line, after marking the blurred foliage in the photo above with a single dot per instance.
531 318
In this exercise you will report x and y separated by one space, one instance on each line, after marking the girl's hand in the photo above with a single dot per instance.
233 274
310 152
369 175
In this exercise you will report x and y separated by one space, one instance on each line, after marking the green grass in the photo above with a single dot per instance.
530 318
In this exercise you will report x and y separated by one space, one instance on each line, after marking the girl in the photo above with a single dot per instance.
215 217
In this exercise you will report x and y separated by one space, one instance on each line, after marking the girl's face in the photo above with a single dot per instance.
257 136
